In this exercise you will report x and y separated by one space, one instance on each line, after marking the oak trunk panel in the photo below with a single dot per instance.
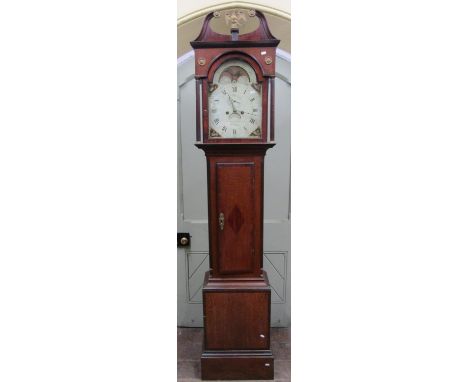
237 320
235 184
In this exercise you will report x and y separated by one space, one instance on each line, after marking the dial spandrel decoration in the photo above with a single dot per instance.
235 102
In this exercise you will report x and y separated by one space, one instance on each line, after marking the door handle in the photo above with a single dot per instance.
183 239
221 221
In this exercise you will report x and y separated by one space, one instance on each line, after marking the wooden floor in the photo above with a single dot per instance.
189 350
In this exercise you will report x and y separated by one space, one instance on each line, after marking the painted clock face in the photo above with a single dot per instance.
235 102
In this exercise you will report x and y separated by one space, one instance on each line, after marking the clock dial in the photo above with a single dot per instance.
235 102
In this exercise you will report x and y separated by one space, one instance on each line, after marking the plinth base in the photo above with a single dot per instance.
237 365
237 329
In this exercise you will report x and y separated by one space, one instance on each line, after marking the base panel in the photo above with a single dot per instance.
245 366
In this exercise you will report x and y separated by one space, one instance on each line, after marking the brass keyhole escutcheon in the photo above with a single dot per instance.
221 221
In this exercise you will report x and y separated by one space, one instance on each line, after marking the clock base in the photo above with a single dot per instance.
229 365
237 329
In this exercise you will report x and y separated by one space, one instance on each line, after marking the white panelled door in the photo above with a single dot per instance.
192 203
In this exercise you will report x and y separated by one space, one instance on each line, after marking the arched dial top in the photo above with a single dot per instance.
235 102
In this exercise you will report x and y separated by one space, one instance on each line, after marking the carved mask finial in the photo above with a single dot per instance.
235 19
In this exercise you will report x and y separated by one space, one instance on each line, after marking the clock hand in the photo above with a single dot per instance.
234 110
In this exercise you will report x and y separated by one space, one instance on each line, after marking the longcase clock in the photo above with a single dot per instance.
234 127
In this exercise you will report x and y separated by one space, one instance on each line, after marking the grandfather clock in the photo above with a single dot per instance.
234 127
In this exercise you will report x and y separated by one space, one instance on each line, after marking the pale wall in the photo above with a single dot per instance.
185 7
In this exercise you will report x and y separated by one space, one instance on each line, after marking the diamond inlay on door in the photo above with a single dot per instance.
235 219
